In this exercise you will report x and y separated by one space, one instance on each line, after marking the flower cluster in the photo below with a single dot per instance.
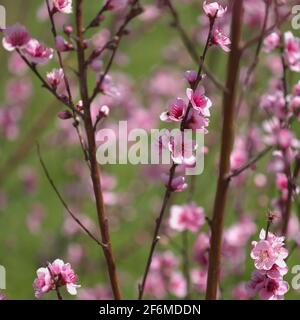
56 275
16 37
164 277
269 254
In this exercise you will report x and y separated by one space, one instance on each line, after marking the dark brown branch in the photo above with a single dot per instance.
63 202
95 168
227 138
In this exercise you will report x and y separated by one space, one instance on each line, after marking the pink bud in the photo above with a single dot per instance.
64 115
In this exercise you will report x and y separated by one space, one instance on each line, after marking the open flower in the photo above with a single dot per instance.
292 51
37 53
199 101
15 37
182 150
56 275
186 217
220 39
63 6
213 9
175 112
271 42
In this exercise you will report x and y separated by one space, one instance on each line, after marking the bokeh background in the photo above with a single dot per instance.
154 60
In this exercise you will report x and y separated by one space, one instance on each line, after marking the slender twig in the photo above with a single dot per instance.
63 202
46 85
67 85
269 30
134 11
172 170
226 148
255 61
250 163
189 45
95 21
95 168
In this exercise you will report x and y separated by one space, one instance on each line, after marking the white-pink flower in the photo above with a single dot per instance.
214 9
177 285
56 275
64 6
220 39
199 101
263 254
271 42
55 77
186 217
37 53
15 36
182 150
292 51
175 111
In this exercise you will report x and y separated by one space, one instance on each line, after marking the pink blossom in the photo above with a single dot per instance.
177 285
213 9
16 65
155 285
182 150
271 42
190 76
186 217
292 51
165 263
62 45
35 218
43 283
64 6
178 183
64 275
176 110
199 280
201 249
37 52
199 101
240 292
97 293
56 78
282 181
221 40
263 255
75 253
196 121
15 37
268 289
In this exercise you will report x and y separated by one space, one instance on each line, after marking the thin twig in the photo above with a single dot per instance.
190 46
67 85
63 202
250 163
255 61
172 170
46 85
134 11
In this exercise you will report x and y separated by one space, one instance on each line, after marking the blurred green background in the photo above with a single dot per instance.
22 252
